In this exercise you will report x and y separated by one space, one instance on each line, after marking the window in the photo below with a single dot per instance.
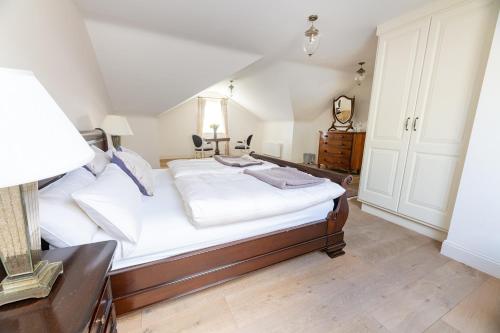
213 115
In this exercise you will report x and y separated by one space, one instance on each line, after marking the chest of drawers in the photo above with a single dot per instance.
341 150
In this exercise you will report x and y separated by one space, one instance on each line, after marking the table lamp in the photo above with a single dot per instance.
37 141
116 126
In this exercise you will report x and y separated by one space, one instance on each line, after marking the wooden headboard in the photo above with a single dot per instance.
96 137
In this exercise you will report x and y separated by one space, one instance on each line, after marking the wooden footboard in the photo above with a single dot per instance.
141 285
336 218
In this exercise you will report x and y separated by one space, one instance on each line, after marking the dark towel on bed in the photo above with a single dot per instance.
285 178
238 162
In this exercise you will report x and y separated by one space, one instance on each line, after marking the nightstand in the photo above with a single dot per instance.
80 300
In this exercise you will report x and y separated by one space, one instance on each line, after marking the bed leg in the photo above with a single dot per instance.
335 251
334 254
335 245
336 220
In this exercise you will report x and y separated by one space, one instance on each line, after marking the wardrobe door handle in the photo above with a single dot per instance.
406 123
415 124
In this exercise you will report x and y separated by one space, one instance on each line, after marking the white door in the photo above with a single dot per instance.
456 55
398 68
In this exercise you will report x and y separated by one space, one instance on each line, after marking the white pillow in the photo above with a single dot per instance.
137 169
62 222
130 151
113 202
70 182
101 159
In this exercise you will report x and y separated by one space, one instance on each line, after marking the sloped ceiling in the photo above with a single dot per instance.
285 90
156 54
147 72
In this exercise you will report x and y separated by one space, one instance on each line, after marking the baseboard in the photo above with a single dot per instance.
404 222
471 258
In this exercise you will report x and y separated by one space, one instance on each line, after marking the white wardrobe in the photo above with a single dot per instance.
428 74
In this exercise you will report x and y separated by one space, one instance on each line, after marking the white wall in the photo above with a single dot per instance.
242 123
279 132
176 128
49 38
146 139
362 102
306 135
474 235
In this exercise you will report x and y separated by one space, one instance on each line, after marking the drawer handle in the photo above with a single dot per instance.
406 124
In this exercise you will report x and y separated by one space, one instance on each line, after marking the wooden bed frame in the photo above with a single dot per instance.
141 285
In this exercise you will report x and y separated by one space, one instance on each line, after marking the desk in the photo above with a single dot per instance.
217 140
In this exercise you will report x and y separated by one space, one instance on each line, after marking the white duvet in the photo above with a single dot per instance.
193 167
214 199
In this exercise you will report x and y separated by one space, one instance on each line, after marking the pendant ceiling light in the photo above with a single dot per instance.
311 40
231 87
360 73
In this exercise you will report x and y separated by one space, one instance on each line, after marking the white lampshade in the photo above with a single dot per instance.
37 140
116 125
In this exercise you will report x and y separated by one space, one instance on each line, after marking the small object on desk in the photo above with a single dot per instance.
217 140
214 127
80 301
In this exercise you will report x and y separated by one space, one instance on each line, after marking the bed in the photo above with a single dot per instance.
186 259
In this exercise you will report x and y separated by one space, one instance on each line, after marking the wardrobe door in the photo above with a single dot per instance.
457 50
398 68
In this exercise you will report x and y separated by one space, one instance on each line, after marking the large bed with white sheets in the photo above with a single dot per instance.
207 223
167 230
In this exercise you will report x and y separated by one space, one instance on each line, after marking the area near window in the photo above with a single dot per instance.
213 114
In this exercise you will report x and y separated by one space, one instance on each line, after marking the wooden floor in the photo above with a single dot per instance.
390 280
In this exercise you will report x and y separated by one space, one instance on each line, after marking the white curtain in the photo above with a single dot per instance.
212 111
201 114
223 107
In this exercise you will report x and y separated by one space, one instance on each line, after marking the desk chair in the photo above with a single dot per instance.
242 145
200 147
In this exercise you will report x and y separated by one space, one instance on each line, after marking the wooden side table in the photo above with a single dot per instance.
80 300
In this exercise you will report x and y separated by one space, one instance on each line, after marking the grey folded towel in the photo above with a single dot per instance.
239 162
285 178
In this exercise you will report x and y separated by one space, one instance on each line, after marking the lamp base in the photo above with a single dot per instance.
33 285
116 141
